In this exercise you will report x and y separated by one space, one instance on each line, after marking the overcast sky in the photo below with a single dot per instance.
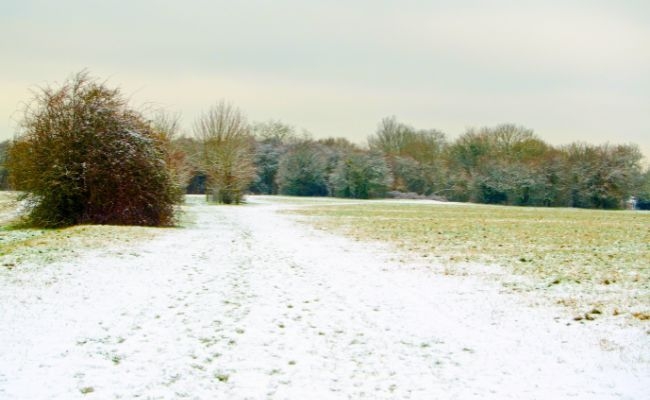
572 70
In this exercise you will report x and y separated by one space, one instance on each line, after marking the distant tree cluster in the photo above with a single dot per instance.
506 164
511 165
301 166
84 156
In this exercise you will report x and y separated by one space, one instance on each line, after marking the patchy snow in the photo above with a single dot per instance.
249 304
10 207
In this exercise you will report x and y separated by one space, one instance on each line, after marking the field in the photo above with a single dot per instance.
253 302
588 259
19 245
596 253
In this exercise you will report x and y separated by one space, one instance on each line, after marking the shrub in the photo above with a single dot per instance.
84 156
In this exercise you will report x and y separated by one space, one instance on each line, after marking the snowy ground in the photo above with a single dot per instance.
248 304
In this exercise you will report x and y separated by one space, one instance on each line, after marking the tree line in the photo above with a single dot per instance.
83 155
506 164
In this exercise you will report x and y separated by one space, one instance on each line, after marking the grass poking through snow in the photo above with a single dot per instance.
556 245
19 245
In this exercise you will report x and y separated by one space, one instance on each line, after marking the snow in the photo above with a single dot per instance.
247 303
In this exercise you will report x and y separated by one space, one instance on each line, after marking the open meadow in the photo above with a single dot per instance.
601 257
22 245
588 259
270 300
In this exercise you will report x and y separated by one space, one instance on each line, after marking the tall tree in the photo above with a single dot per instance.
505 164
167 129
192 151
272 141
4 173
642 198
394 138
273 131
410 151
303 170
227 152
361 175
602 176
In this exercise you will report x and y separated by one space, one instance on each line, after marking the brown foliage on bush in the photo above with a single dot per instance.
84 156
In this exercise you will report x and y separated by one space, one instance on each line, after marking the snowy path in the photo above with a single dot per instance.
247 304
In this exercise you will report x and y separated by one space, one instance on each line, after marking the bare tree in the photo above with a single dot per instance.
4 173
409 150
166 127
227 152
273 131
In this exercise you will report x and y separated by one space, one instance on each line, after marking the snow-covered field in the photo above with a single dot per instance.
246 303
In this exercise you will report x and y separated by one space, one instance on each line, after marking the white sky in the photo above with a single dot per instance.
572 70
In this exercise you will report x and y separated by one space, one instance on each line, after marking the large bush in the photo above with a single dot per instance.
83 156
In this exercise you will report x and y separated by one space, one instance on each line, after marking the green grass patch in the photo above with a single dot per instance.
47 245
559 244
583 259
20 244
